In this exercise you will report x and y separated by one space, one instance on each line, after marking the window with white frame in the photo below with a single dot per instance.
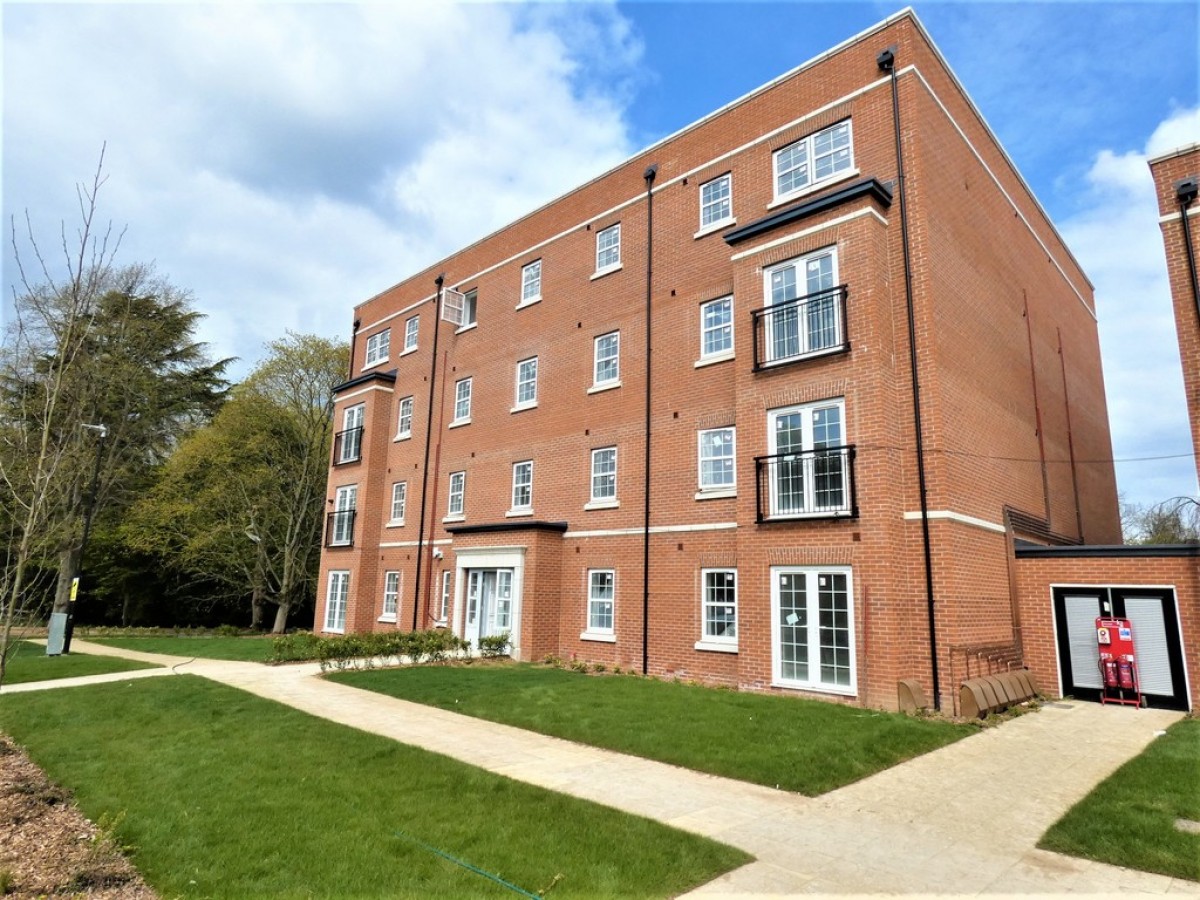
405 419
391 595
608 248
527 378
719 603
803 313
717 459
604 475
341 520
399 501
462 401
716 201
504 599
470 303
522 485
411 328
458 488
813 159
809 466
378 347
335 600
531 282
447 584
607 359
601 596
349 440
812 627
716 327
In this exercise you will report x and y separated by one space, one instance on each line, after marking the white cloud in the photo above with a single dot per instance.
1118 241
285 162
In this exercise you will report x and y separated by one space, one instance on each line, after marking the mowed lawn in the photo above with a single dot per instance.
29 662
228 795
795 744
1129 818
249 648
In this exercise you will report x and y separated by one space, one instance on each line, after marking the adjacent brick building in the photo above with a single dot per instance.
743 305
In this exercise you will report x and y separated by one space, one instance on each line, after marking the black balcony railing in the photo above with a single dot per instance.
812 325
339 528
347 446
810 484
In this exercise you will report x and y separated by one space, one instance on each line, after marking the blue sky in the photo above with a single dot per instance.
287 161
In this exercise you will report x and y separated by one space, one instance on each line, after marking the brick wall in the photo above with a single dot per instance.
996 295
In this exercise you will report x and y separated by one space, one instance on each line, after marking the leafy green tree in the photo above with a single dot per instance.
241 501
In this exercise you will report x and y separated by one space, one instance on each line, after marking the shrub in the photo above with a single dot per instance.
229 631
494 645
368 650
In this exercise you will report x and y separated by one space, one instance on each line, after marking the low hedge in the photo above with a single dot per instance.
370 649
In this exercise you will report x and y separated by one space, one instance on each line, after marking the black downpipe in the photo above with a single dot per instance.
437 311
1185 193
353 347
649 176
887 63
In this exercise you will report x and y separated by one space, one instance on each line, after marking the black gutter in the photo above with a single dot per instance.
649 176
887 63
388 376
1025 550
500 527
1185 193
437 310
871 188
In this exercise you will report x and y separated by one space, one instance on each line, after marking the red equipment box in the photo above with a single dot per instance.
1118 662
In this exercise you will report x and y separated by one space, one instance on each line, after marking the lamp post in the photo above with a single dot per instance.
88 511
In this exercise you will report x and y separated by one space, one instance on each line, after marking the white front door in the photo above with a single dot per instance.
489 603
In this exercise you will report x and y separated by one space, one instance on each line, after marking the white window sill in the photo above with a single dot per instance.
813 188
521 407
716 493
328 630
717 646
408 350
451 519
336 544
373 365
606 386
602 504
395 523
703 361
800 517
600 273
713 227
386 618
815 688
518 513
603 636
459 423
468 327
530 302
404 436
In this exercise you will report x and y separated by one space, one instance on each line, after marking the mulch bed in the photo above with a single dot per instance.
48 848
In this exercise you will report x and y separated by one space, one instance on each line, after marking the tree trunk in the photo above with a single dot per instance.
281 614
258 609
68 568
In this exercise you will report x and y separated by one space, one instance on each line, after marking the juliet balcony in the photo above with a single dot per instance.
808 326
809 484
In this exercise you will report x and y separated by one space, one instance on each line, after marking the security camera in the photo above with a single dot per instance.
437 552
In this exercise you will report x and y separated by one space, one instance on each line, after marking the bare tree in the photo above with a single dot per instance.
1173 521
54 305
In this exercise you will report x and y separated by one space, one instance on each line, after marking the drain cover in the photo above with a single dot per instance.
1061 705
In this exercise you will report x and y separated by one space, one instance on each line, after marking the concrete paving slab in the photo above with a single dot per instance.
963 820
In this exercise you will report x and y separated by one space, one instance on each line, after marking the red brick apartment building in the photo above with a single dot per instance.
767 404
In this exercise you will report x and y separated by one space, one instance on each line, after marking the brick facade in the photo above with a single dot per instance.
1013 409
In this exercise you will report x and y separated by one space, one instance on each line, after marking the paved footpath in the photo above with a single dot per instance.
961 820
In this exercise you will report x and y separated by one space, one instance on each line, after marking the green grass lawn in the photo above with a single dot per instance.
787 742
250 648
1129 819
29 662
228 795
